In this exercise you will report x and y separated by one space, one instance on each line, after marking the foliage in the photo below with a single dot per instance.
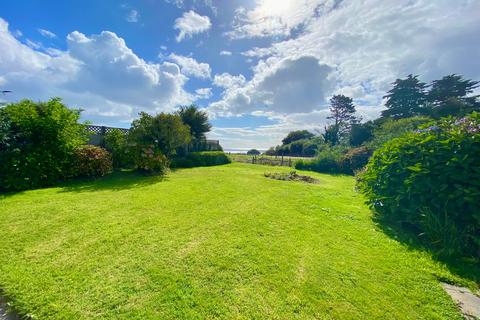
37 143
92 161
355 159
201 159
430 179
342 111
328 160
361 133
451 96
163 132
148 159
211 243
388 129
290 176
197 121
116 143
253 152
406 99
297 135
331 135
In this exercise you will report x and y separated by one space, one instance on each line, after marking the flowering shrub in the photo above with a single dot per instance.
149 159
92 161
430 179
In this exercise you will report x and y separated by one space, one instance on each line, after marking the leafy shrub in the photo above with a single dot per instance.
388 129
165 132
116 143
355 159
149 159
37 143
329 160
92 161
201 159
430 179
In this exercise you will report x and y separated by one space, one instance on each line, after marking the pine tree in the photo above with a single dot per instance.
451 96
406 99
342 112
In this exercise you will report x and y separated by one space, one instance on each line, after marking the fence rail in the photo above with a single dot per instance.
266 160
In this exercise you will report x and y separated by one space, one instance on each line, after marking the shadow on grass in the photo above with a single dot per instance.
120 180
464 267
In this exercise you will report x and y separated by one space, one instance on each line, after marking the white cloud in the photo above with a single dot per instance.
98 73
33 44
366 44
191 67
228 81
47 34
225 53
276 18
133 16
203 93
281 86
191 23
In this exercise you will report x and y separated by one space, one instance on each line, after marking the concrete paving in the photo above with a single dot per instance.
468 302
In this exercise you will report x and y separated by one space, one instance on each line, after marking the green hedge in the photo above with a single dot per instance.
200 159
429 180
37 143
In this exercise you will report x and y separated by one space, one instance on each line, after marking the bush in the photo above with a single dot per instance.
92 161
149 159
430 180
355 159
389 129
37 143
329 160
201 159
116 143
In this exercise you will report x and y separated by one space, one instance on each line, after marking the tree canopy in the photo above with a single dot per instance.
197 121
297 135
406 99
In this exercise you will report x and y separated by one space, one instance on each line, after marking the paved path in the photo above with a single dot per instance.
465 299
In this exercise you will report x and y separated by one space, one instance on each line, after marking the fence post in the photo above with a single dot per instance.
289 162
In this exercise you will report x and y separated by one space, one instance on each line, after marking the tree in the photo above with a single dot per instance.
197 121
166 132
343 114
331 134
253 152
450 96
406 99
360 133
297 135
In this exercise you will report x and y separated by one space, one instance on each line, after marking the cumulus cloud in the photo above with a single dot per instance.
191 23
203 93
364 46
225 53
47 34
191 67
281 86
228 81
133 16
98 73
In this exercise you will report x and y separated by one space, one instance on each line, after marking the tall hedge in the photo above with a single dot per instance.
37 143
430 180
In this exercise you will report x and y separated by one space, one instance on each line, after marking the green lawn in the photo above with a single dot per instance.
219 242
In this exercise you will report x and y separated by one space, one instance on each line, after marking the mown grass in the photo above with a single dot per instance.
217 242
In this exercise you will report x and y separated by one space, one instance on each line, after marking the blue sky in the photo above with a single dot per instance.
260 68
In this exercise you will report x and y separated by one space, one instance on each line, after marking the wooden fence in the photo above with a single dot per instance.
266 160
